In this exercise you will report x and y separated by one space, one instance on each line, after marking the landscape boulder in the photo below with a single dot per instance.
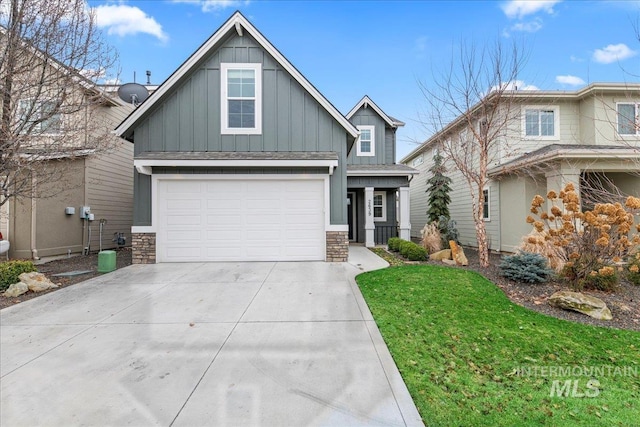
16 289
37 282
585 304
457 254
440 255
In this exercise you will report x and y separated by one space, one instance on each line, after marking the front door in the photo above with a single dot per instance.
351 215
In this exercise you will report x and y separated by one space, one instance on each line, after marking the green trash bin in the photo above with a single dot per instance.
106 261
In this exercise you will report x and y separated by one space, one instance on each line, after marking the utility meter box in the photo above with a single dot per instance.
84 212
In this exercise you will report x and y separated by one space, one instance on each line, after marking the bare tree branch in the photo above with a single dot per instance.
473 106
51 53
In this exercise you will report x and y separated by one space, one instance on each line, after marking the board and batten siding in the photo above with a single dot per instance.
383 156
188 119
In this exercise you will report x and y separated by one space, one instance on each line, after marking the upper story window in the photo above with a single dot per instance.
418 161
540 123
241 103
43 114
628 118
367 141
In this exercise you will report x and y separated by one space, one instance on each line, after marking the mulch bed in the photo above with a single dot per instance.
64 265
624 303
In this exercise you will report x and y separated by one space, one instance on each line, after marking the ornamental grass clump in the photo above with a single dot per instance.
525 267
589 243
431 239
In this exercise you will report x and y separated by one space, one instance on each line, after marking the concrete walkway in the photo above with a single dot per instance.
272 344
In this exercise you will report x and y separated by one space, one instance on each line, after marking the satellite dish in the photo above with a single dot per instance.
133 92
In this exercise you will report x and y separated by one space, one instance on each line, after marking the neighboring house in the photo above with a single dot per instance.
377 188
44 226
93 169
559 137
239 157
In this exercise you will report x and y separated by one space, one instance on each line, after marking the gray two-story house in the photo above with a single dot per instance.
378 205
239 157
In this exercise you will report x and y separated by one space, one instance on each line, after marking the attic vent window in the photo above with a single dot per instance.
241 103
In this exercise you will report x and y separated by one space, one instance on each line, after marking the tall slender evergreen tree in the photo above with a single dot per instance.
438 188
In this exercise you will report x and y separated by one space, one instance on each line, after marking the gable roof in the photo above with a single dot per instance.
367 102
236 23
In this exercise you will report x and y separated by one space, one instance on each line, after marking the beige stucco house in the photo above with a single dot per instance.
589 137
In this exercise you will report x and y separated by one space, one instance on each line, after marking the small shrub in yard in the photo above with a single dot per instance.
413 251
394 244
525 267
601 277
448 231
633 269
10 270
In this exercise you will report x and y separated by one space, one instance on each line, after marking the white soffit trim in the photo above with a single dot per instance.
144 166
367 102
381 173
231 25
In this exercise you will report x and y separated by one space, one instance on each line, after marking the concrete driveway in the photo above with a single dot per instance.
273 344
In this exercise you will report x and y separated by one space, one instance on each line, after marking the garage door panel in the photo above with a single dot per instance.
183 220
240 219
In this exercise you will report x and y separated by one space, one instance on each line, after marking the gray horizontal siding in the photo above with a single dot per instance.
109 192
377 182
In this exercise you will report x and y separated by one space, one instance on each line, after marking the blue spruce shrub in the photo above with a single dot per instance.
525 267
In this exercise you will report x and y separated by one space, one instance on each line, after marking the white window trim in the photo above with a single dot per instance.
556 122
418 161
627 135
224 106
372 153
382 218
487 212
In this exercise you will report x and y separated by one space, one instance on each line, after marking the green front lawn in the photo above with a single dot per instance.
470 357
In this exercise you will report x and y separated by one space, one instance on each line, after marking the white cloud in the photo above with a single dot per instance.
126 20
574 58
613 53
213 5
515 85
521 8
420 46
527 27
570 80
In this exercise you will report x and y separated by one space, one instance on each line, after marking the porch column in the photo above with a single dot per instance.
369 226
404 209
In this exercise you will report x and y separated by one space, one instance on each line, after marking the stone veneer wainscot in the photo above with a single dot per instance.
337 246
143 248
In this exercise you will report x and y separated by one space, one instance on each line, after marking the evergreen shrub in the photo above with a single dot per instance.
525 267
10 270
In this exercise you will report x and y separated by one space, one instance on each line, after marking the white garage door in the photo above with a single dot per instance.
240 220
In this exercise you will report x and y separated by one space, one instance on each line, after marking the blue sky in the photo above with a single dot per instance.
382 49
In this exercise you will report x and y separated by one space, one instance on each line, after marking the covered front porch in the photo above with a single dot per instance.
378 203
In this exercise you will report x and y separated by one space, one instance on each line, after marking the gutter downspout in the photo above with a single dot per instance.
34 204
